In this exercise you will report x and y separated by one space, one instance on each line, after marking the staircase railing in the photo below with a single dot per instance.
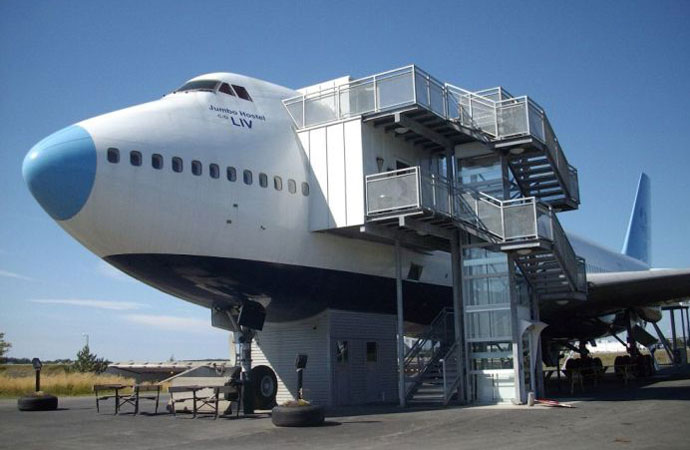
429 347
409 190
452 375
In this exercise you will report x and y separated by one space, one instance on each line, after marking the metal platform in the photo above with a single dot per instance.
438 116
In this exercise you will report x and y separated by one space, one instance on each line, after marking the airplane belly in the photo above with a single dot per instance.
289 292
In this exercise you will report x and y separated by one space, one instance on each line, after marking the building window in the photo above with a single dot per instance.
278 183
135 158
292 186
196 167
341 353
214 170
231 174
177 164
415 272
226 89
263 180
113 155
305 189
242 92
247 177
372 352
157 161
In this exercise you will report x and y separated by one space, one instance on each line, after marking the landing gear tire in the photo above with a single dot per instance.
265 386
647 362
37 403
297 416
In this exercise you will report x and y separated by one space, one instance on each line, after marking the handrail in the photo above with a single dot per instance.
427 336
451 355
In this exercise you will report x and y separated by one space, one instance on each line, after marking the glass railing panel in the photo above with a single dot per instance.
295 110
422 89
483 115
536 122
519 221
511 118
489 215
394 90
357 99
319 110
393 191
544 229
437 104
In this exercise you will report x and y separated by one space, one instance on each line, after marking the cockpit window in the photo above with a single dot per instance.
241 92
226 89
199 85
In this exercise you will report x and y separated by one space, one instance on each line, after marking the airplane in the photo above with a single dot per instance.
204 194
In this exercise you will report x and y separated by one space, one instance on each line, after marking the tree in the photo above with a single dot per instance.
89 362
4 346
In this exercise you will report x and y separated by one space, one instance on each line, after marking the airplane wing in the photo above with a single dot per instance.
609 292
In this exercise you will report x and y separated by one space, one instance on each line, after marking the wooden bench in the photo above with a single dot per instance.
234 392
132 397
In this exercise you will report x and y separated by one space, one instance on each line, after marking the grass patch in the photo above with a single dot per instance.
15 381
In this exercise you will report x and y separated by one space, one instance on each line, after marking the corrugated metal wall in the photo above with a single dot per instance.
326 383
279 343
359 381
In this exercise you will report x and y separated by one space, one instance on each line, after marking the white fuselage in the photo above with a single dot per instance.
141 210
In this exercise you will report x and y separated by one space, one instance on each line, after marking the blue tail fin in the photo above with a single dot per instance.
638 241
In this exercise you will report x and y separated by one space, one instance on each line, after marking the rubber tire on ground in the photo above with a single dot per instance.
297 416
265 386
37 403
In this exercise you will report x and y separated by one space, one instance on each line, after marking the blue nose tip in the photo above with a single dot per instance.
60 171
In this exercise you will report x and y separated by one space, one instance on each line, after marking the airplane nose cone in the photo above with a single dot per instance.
60 171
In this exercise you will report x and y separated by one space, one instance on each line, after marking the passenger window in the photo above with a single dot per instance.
214 170
196 167
292 186
135 158
278 183
177 164
113 155
232 174
305 189
242 92
157 161
263 180
226 89
247 176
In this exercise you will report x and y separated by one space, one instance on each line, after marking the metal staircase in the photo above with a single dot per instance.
439 115
524 226
431 367
520 127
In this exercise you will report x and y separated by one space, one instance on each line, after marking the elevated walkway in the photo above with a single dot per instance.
410 200
438 116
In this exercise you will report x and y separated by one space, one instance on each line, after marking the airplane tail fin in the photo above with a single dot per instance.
638 241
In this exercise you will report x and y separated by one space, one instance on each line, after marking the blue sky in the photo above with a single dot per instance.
613 77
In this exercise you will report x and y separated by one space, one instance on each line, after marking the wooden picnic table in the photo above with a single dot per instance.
132 398
198 401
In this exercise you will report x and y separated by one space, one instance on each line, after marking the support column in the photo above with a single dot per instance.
401 327
458 313
517 336
674 345
684 353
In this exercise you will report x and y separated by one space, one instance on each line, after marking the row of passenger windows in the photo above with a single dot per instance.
136 159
